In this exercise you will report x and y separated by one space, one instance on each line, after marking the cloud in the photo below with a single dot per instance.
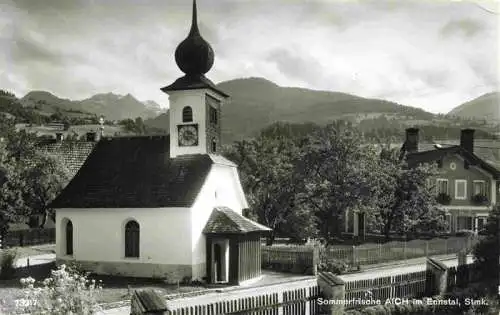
291 64
429 54
467 27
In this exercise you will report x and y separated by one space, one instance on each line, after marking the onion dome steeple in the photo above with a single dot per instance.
194 55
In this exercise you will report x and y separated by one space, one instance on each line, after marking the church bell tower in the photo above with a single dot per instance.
195 101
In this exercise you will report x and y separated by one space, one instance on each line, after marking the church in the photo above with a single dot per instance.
164 206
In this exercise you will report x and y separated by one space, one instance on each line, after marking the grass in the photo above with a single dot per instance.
27 251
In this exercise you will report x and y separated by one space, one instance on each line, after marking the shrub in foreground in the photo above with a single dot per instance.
335 266
7 261
65 292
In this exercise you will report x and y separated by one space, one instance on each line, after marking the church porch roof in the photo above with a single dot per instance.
224 220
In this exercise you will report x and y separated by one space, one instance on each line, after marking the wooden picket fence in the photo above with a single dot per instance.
410 285
28 237
283 258
296 259
290 298
300 296
368 254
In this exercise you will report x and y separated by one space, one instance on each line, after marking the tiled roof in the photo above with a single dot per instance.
224 220
437 154
219 159
72 153
136 172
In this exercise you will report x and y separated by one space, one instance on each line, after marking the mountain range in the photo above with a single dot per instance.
486 107
256 103
111 106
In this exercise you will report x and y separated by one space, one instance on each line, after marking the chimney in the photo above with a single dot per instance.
411 143
91 136
59 137
467 140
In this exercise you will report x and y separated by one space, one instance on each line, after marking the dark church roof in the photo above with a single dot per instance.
137 172
193 83
224 220
434 155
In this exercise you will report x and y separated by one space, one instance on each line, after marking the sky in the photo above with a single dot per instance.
433 55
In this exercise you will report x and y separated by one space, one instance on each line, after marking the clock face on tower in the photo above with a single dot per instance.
188 135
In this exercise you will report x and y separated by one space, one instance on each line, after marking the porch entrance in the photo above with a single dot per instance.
232 247
220 260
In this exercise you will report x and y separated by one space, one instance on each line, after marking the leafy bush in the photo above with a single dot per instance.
443 198
479 199
7 261
468 233
335 266
76 268
486 252
65 292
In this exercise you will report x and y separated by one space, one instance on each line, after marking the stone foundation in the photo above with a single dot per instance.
172 273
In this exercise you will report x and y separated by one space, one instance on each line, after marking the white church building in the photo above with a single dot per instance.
164 206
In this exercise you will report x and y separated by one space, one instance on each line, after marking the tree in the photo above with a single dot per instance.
11 185
486 252
29 179
267 169
136 126
405 204
45 178
336 173
139 126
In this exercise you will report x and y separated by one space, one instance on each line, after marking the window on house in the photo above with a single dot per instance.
132 239
448 219
465 223
481 223
479 187
69 238
460 189
187 114
213 115
441 186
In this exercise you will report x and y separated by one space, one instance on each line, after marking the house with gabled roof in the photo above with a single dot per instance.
467 187
164 206
72 153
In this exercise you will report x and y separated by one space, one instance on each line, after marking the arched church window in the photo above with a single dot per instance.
187 114
214 145
132 233
69 238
